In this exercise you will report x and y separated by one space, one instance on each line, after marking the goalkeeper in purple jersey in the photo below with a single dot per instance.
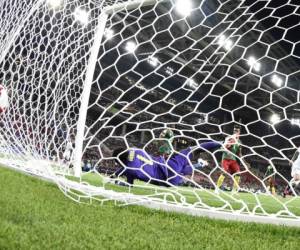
138 164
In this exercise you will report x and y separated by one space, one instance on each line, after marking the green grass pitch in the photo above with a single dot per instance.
36 215
238 201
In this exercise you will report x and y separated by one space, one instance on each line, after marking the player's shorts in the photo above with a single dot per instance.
230 166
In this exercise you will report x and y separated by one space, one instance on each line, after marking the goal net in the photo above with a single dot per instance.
184 105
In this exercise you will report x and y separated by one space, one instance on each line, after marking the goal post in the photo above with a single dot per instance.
105 12
86 93
129 5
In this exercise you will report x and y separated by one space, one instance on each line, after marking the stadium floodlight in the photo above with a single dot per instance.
225 42
228 44
192 84
221 40
130 46
81 15
183 7
152 60
54 4
252 62
275 118
277 80
109 33
295 121
169 70
257 66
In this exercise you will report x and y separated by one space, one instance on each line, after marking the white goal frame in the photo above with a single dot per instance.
100 30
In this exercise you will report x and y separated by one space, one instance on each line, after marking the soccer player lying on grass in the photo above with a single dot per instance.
138 164
295 173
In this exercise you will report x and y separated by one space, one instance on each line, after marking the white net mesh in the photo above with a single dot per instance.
91 82
44 60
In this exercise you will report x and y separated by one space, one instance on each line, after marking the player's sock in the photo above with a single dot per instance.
220 180
273 190
236 182
286 191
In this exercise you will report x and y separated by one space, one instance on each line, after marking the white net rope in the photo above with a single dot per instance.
196 70
44 60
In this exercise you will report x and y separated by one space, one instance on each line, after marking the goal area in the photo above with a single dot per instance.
188 106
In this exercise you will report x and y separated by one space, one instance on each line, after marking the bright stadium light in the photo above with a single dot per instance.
295 121
54 4
257 66
225 43
228 44
252 62
153 61
169 70
81 15
184 7
192 84
221 40
275 118
109 33
130 46
277 80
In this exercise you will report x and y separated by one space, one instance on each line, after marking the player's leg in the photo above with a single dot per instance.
235 169
220 180
236 182
296 176
294 182
295 173
272 185
225 165
269 185
287 191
